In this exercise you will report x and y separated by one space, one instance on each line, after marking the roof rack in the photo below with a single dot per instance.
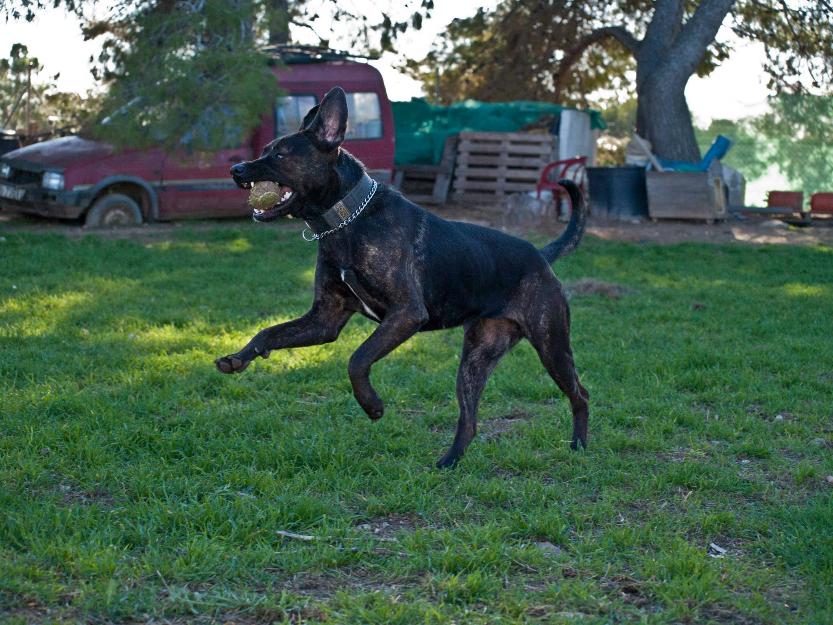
293 54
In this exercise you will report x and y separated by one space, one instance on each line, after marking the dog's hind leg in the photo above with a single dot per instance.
550 336
485 343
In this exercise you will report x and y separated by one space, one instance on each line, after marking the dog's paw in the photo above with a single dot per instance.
448 461
231 364
578 443
372 404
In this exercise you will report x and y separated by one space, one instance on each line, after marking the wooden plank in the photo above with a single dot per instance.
495 170
486 198
510 149
503 159
502 174
526 137
500 185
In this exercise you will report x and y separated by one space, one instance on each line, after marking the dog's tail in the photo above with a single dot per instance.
569 239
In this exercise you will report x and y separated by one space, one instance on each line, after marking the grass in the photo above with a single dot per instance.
137 484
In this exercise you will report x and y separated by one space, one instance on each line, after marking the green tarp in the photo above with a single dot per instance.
422 128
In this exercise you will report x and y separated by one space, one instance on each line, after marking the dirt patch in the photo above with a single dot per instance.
755 410
321 586
495 428
387 527
628 589
589 286
752 230
72 495
716 613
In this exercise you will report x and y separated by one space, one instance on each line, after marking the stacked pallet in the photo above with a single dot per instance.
492 165
428 184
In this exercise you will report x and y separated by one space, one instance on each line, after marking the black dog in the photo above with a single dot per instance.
386 258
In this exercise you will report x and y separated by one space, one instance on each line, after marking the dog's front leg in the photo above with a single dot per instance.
322 324
396 328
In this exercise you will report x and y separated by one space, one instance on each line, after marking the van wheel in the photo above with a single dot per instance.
113 211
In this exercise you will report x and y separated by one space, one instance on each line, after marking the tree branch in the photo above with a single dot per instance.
664 26
619 33
697 34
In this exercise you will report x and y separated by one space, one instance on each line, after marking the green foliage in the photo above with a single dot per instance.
22 82
797 39
620 117
137 484
749 153
799 130
185 77
510 54
514 51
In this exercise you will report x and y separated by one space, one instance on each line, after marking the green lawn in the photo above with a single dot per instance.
137 484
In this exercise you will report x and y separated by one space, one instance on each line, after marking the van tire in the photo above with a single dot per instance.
113 211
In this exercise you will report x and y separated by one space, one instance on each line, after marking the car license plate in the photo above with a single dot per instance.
12 193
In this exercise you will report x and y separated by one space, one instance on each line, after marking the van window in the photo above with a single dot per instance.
364 116
290 111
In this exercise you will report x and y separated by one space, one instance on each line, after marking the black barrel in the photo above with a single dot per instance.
8 141
618 192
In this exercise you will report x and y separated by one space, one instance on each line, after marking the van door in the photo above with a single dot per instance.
199 184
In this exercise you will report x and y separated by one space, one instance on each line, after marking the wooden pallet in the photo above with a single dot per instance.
428 184
492 165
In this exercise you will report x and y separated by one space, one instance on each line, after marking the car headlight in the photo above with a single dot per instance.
5 170
53 180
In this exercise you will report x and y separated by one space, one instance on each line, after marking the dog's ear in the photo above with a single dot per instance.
329 124
308 118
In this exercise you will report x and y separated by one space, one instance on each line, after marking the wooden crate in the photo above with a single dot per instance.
686 195
492 165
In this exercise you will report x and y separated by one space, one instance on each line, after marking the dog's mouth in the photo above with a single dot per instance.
269 199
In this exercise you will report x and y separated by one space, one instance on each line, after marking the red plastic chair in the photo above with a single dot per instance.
574 169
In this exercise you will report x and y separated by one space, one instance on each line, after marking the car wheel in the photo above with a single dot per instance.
113 211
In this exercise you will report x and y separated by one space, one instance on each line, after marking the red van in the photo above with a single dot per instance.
72 176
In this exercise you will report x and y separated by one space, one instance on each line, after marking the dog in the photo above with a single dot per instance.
410 271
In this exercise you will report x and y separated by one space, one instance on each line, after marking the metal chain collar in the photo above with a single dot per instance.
314 237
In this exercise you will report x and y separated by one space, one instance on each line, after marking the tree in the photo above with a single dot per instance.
561 50
750 149
32 104
196 73
799 136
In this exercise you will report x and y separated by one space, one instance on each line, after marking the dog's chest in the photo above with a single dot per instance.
348 276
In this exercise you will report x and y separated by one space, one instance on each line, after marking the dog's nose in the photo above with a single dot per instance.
237 170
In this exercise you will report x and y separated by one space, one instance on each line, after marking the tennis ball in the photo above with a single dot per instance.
264 195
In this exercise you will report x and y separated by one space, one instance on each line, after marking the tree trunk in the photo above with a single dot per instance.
666 58
279 22
664 119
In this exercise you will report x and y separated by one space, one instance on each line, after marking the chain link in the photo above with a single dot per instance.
356 213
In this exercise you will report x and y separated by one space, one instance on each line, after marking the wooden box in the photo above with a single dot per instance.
686 195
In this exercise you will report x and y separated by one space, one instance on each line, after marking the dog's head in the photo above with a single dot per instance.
303 163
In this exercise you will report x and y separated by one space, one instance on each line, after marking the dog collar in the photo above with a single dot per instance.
345 210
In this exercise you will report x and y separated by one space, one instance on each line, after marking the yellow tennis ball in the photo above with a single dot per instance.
264 195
